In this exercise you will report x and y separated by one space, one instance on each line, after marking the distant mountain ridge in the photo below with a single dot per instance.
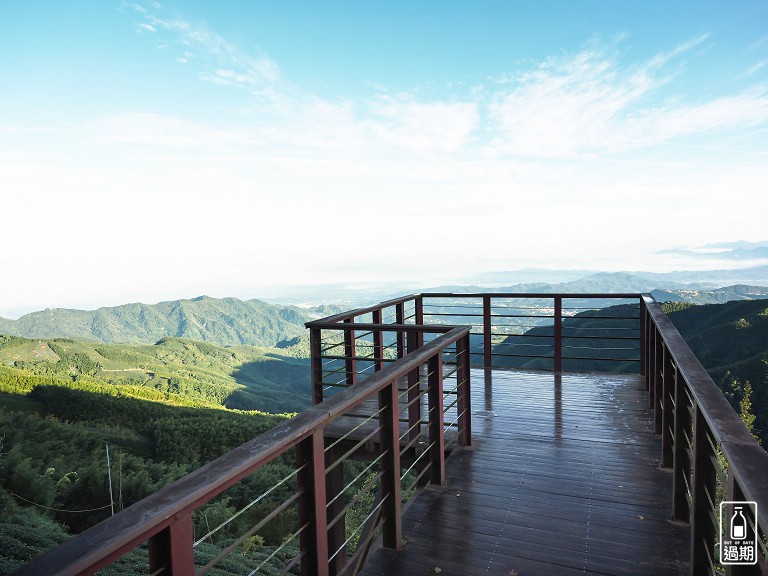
223 321
233 322
715 296
627 282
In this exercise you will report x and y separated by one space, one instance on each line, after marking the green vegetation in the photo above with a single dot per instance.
225 321
175 370
167 407
731 341
163 409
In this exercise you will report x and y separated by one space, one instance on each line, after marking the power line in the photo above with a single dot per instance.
57 509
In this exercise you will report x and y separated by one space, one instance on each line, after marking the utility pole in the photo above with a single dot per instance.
109 476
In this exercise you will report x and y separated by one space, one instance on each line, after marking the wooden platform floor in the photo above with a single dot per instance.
563 478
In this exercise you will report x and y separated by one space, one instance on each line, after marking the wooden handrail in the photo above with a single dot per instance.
172 505
729 431
747 461
360 311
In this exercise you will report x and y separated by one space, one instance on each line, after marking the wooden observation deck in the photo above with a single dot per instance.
500 434
562 478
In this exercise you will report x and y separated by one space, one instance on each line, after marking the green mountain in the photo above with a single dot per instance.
225 321
163 409
731 341
184 371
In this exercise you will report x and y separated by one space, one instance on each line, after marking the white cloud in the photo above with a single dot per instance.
442 127
740 111
153 130
752 70
589 104
564 156
222 62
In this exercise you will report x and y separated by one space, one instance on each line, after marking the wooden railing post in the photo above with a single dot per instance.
487 330
414 400
392 533
703 486
350 352
667 416
655 391
418 303
378 342
310 460
680 460
436 426
558 334
646 340
171 551
400 319
316 359
658 389
334 485
643 335
464 403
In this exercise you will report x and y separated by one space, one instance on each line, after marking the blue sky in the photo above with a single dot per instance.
158 150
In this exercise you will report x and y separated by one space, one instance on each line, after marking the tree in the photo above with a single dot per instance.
745 409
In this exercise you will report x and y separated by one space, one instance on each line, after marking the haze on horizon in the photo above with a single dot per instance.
153 151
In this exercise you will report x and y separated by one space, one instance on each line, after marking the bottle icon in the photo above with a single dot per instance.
738 525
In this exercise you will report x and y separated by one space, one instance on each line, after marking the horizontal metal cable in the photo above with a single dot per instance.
251 504
264 521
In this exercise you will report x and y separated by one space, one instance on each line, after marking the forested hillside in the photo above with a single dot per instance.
163 410
225 321
731 341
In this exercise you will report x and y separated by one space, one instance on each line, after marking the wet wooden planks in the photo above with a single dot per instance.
562 479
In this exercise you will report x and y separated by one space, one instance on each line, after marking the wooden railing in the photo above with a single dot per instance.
712 455
379 376
324 485
574 332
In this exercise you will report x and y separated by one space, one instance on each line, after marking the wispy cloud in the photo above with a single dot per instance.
579 105
755 68
221 61
588 103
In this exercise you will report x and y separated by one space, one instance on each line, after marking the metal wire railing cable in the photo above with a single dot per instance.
362 473
360 527
287 541
365 489
249 505
359 426
250 532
